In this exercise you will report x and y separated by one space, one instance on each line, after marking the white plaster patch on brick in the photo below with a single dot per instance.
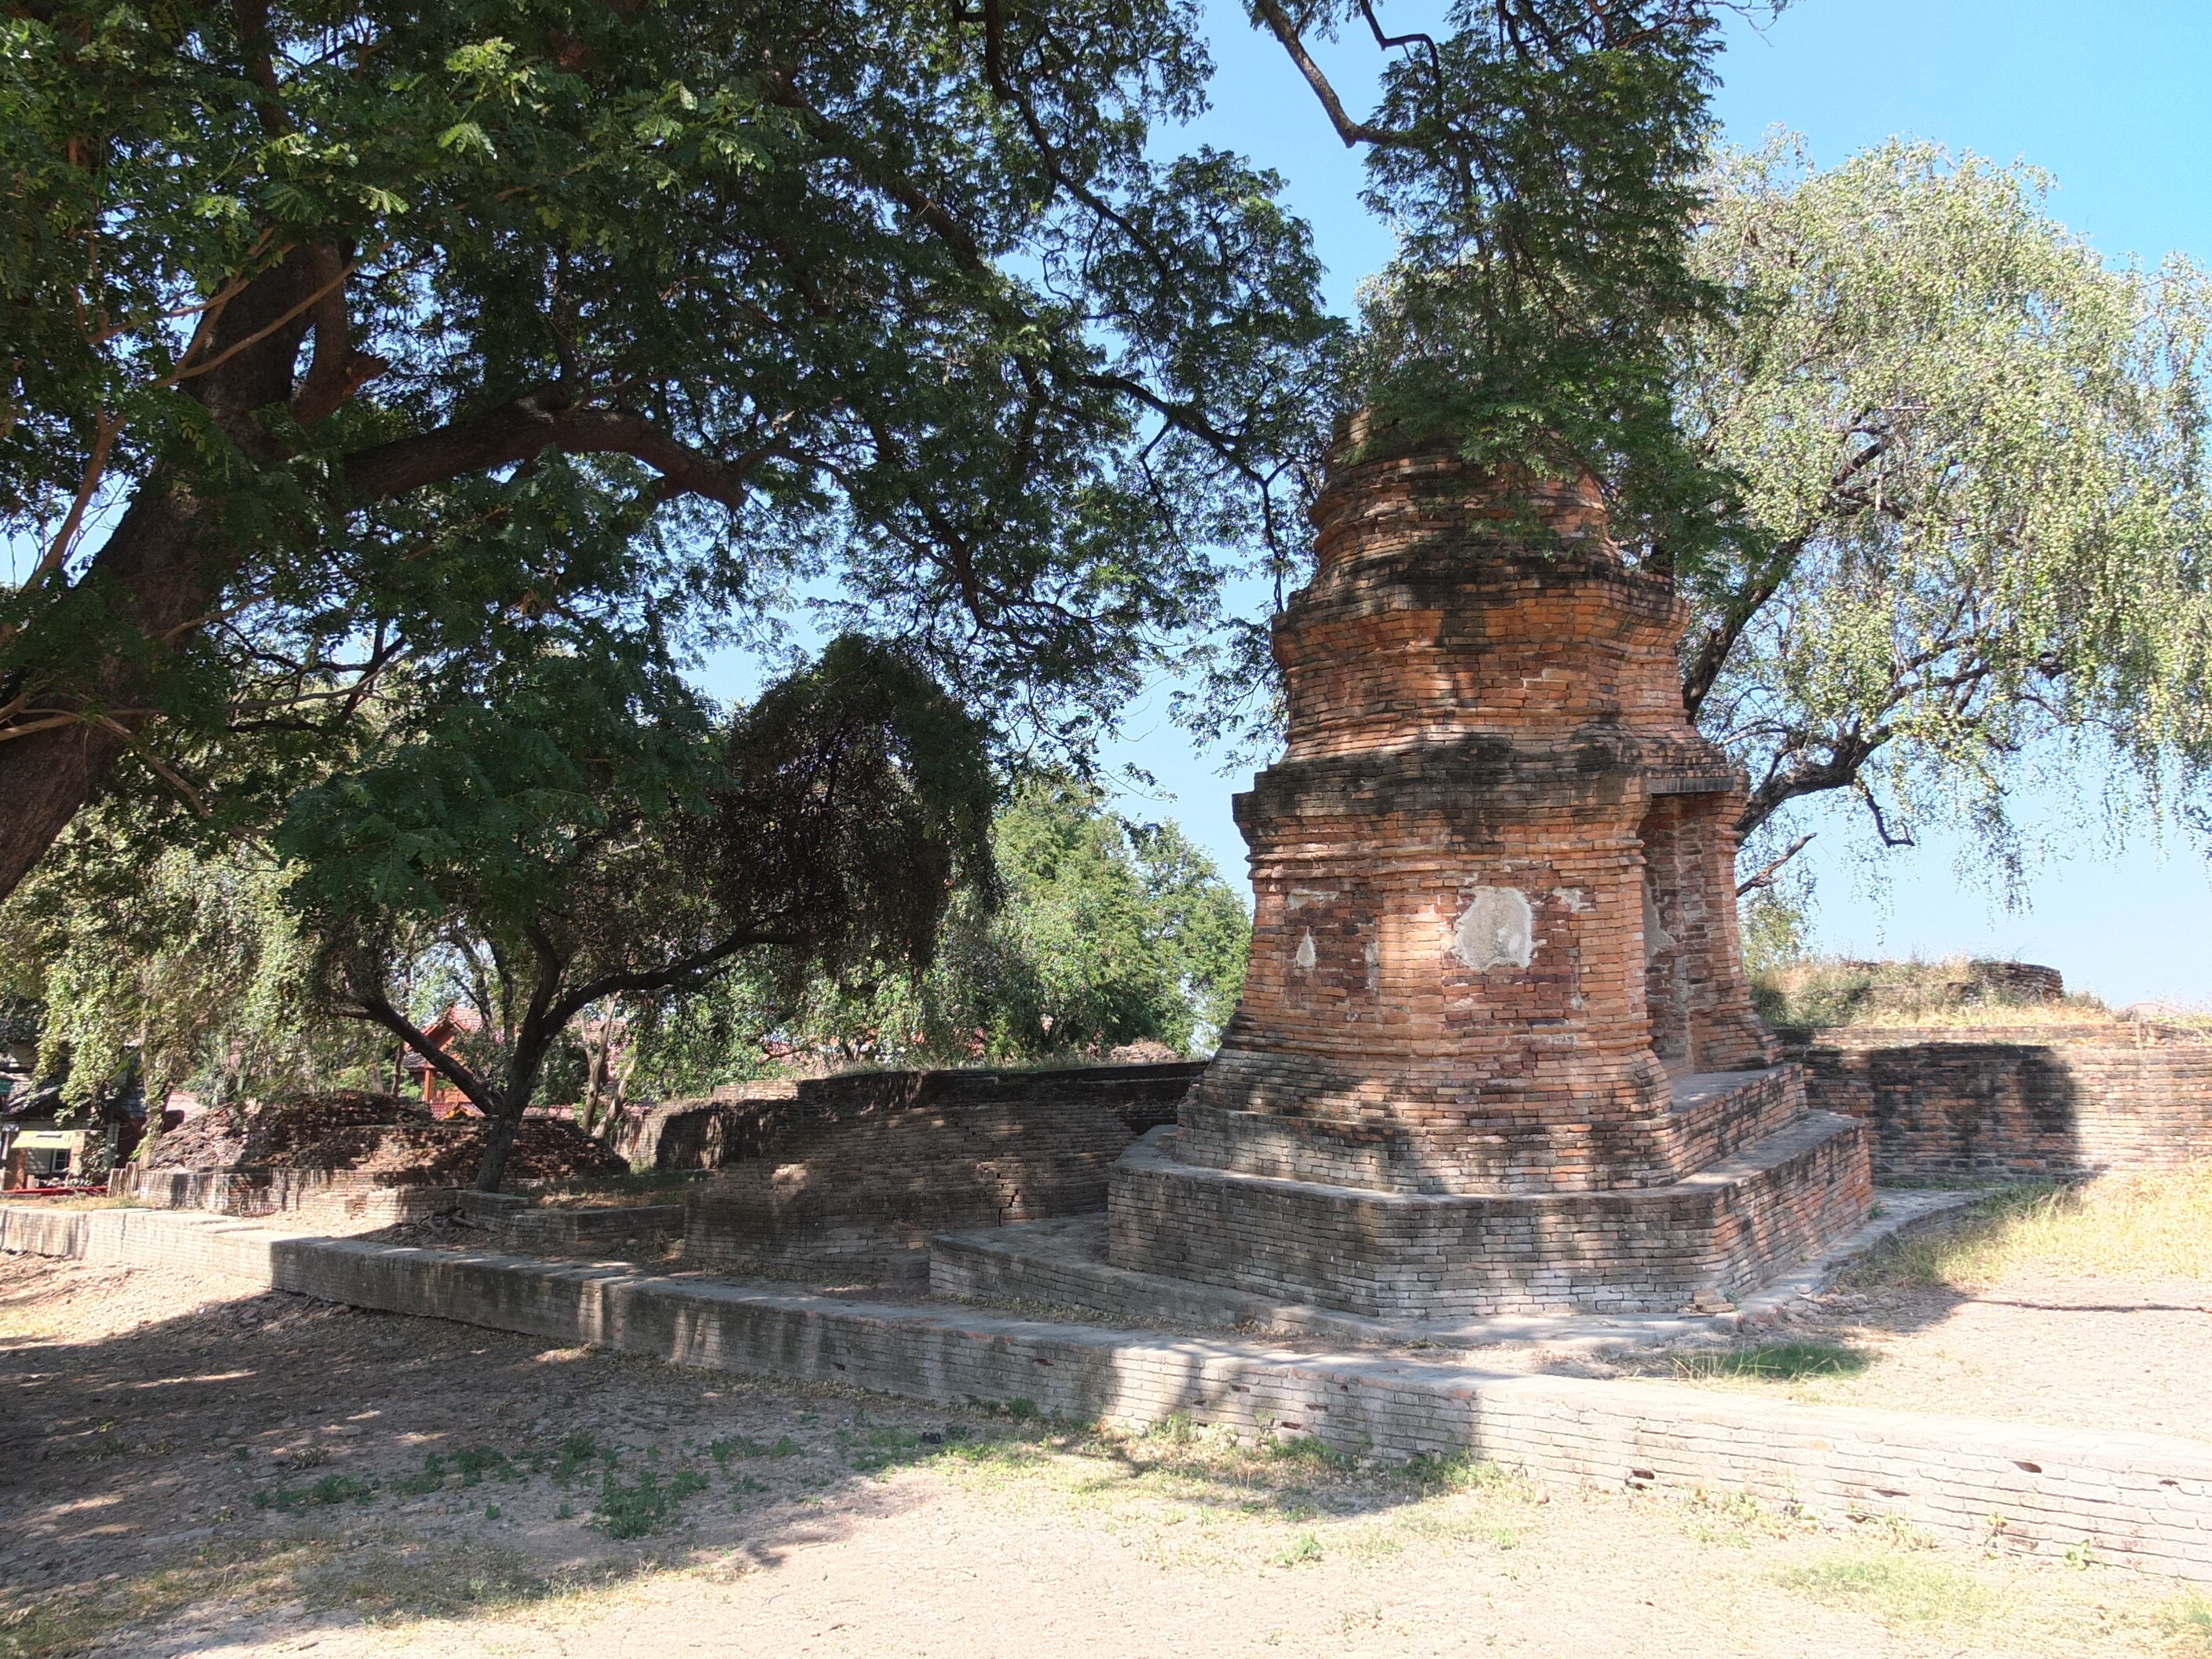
1306 956
1374 955
1656 937
1571 897
1302 896
1496 930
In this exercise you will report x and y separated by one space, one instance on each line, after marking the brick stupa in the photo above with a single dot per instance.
1496 1051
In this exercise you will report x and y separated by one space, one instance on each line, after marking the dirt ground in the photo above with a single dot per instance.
2073 1352
191 1471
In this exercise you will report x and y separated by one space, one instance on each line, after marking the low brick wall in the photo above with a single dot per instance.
2012 1103
704 1134
518 1224
857 1172
345 1200
2140 1500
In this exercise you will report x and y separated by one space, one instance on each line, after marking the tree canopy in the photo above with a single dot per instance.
1107 932
575 861
334 332
1971 458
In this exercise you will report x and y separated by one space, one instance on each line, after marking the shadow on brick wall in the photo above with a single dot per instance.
1972 1107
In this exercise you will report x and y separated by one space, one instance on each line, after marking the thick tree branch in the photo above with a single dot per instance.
377 1009
1352 132
1772 866
525 429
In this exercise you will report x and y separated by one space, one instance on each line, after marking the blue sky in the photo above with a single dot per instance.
2109 99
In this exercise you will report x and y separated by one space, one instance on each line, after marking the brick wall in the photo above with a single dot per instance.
860 1171
1405 1255
704 1134
342 1201
2010 1103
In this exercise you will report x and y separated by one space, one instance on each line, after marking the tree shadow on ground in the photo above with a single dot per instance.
232 1460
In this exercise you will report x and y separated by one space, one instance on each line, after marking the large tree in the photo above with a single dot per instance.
1971 458
297 298
582 847
1539 161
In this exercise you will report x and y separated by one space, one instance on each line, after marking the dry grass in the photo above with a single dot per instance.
2136 1227
1824 991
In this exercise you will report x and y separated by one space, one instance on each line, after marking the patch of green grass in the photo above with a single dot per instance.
478 1460
632 1512
432 1478
577 1452
1784 1362
884 1447
331 1489
1896 1590
1304 1551
1308 1449
737 1445
1457 1472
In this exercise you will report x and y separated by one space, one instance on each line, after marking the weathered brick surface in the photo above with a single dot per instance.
1416 1256
345 1200
2138 1500
1495 925
2010 1102
862 1169
704 1134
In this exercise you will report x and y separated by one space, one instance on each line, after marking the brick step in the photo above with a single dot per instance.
1721 1232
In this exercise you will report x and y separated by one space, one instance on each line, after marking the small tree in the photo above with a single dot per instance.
1108 933
586 840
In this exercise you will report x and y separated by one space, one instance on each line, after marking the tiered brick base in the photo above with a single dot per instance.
1778 1200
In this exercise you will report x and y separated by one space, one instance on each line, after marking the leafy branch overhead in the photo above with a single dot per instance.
303 306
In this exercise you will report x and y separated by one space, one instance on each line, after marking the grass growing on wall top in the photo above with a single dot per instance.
1830 991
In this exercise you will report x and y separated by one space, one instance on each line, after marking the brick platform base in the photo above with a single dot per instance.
1780 1200
2142 1501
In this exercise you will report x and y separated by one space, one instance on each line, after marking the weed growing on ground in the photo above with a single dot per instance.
1775 1361
432 1478
1304 1550
2186 1622
475 1463
331 1489
632 1512
736 1445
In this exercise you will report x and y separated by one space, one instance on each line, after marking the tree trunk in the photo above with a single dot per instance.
165 562
521 1082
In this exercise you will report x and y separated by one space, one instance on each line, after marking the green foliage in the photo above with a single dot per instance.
1901 1590
1971 459
1540 166
1776 1361
407 333
573 833
644 1505
191 969
1776 927
1105 933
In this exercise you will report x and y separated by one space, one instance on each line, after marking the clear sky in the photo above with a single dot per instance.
2110 98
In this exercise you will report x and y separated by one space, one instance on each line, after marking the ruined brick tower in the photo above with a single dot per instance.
1496 1050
